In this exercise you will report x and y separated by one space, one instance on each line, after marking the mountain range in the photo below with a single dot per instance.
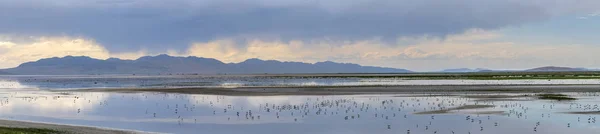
539 69
165 64
557 69
76 65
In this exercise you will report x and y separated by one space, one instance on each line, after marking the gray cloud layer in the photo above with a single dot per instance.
125 25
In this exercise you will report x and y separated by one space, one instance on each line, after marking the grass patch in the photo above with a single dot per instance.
517 75
465 107
585 112
11 130
558 97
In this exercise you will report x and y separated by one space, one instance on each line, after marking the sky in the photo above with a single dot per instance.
419 35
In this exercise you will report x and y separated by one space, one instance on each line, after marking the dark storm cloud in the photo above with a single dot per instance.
124 25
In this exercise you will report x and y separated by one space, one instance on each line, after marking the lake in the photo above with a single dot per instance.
39 99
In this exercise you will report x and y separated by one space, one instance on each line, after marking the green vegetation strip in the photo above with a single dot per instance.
468 76
11 130
558 97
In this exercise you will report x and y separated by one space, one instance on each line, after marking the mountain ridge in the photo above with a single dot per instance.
537 69
163 64
555 69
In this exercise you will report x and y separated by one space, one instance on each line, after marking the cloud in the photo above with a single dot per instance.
17 50
407 48
596 14
474 48
12 54
130 55
155 25
228 51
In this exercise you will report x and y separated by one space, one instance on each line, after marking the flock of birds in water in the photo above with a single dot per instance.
391 113
427 113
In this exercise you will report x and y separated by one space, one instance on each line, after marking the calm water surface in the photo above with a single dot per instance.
178 113
28 99
128 81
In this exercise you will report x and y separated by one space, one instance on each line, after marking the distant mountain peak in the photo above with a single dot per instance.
253 60
161 56
554 69
327 62
538 69
76 57
113 59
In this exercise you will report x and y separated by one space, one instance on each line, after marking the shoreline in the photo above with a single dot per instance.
356 90
66 128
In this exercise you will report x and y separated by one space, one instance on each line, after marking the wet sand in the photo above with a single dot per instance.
69 129
351 90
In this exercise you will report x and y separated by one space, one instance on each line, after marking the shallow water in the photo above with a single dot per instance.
180 113
166 81
29 98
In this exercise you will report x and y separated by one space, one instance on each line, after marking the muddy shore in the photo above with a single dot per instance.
69 129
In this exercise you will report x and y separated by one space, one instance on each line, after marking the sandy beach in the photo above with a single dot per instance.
70 129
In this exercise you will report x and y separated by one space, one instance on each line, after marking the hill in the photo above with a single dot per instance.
555 69
539 69
4 73
74 65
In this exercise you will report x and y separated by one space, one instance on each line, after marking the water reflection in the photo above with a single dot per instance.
180 113
12 84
